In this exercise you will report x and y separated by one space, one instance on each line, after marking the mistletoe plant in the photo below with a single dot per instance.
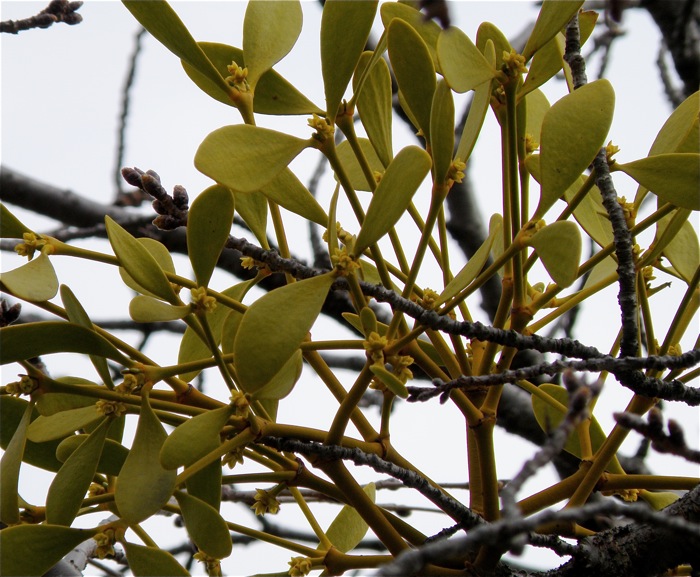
74 427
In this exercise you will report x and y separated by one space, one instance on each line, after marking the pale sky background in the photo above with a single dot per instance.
61 93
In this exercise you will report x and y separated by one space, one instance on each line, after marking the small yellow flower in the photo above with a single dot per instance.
241 403
265 502
201 301
456 171
530 144
110 408
25 386
131 384
610 151
299 566
324 129
675 350
32 243
233 457
238 77
377 176
344 263
628 209
400 364
105 542
513 64
213 565
429 299
96 489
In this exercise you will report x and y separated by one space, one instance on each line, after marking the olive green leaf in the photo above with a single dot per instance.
488 31
60 425
553 16
672 177
274 327
162 256
429 31
40 547
193 439
548 417
232 155
51 403
604 269
205 526
10 225
151 561
288 191
283 382
682 248
72 481
345 27
9 470
414 71
393 194
374 105
352 167
537 108
33 281
273 94
206 483
658 500
164 24
76 314
20 342
270 30
392 382
477 112
139 263
348 528
442 131
145 309
208 226
252 208
463 65
573 131
111 460
559 247
143 485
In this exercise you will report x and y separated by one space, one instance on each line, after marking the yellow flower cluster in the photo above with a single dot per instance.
265 502
201 301
110 408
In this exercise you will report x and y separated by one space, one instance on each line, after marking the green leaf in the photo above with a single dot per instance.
32 550
682 249
273 94
672 177
288 191
488 31
573 131
274 327
76 314
536 109
548 417
352 167
194 438
20 342
62 424
111 460
208 227
345 27
232 155
283 382
143 485
205 526
71 483
9 471
151 561
393 195
414 71
349 528
392 382
429 31
680 132
559 247
10 226
252 208
145 309
51 403
658 500
34 281
462 64
554 15
162 256
442 131
374 104
165 26
206 483
270 30
139 263
547 62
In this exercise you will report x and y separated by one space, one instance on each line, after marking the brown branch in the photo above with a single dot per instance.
56 11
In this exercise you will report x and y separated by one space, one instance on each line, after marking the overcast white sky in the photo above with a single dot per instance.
61 92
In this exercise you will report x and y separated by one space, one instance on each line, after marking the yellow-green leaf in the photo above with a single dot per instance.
553 16
10 225
546 62
283 382
9 471
488 31
414 71
139 263
393 195
442 131
352 167
151 561
208 227
559 247
392 382
680 132
462 64
658 500
573 131
270 30
274 327
537 108
348 528
143 485
62 424
193 438
111 460
71 483
672 177
145 309
345 27
288 191
34 281
161 255
429 30
682 249
32 550
252 208
205 526
375 105
232 155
